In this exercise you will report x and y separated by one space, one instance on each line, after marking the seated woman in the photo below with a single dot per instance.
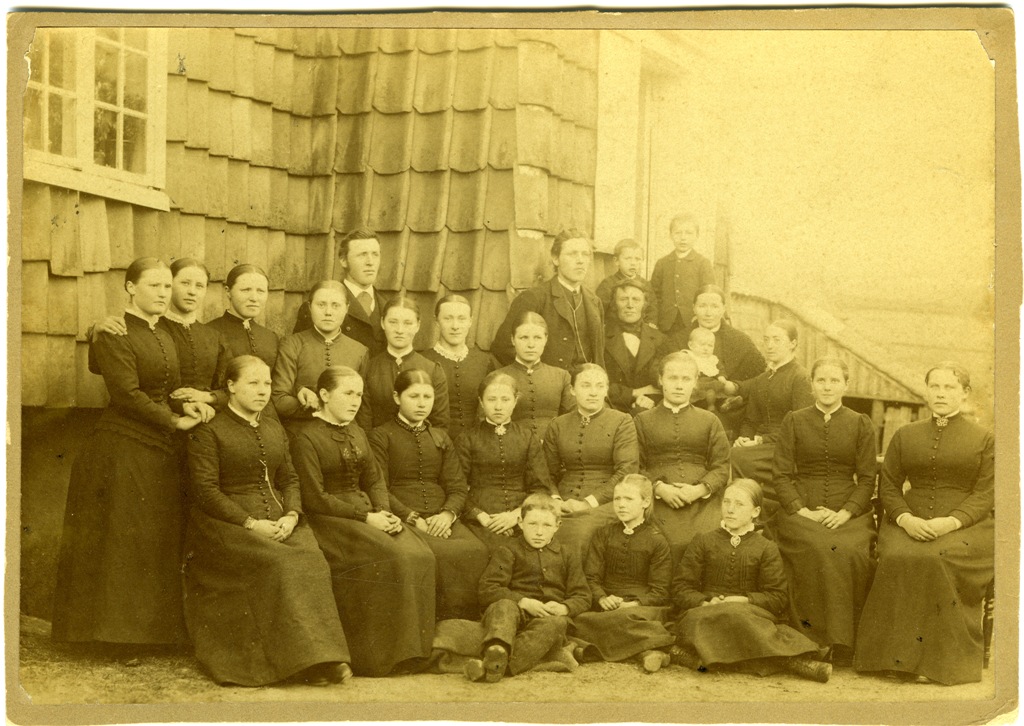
428 492
923 616
824 477
685 452
464 366
730 593
247 287
258 600
400 320
302 356
784 387
544 390
383 575
503 462
631 349
588 452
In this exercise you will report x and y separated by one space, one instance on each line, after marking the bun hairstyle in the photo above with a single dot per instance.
751 487
500 379
452 298
541 502
244 269
713 289
589 367
530 318
411 377
644 487
564 236
237 366
134 272
184 263
332 377
679 356
961 373
831 360
401 300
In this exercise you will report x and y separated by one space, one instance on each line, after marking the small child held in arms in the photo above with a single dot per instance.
730 592
629 255
678 276
629 568
710 382
530 589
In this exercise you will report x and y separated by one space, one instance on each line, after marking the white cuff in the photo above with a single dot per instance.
592 501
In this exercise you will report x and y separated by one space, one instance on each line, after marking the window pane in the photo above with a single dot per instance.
135 82
135 37
111 33
62 59
135 144
33 119
106 74
104 140
55 124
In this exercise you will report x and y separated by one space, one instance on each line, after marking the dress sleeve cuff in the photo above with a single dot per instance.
962 517
592 501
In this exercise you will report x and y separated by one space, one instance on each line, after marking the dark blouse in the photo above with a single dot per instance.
301 358
634 566
241 470
544 392
590 459
770 396
202 355
822 463
242 339
951 471
739 358
379 405
421 468
711 566
517 570
674 446
338 473
464 380
501 470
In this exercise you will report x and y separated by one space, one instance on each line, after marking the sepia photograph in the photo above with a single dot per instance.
523 367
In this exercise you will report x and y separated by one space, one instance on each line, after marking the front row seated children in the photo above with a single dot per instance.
730 591
629 568
530 589
711 383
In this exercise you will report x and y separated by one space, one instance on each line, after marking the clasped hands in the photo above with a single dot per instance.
679 495
825 516
437 525
539 609
278 530
926 530
500 523
614 602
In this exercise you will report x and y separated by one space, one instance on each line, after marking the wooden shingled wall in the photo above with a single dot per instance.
466 150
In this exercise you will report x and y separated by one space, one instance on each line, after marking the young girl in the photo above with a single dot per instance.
464 367
248 287
730 592
629 568
383 574
400 320
544 390
503 462
303 356
428 492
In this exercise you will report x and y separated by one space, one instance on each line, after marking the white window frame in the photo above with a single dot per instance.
80 172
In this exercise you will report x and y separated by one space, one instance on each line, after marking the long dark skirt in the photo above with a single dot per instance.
622 633
258 611
680 525
923 614
119 573
577 530
384 586
733 632
829 573
461 560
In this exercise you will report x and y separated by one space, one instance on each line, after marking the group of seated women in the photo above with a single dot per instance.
328 505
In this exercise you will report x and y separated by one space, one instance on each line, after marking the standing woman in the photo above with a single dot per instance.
118 576
248 287
258 597
544 390
401 321
936 543
784 387
685 452
503 462
303 356
824 476
464 367
383 574
428 492
588 452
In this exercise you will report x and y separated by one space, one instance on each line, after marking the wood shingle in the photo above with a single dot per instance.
435 82
389 202
65 237
356 83
428 202
35 221
393 252
352 148
473 79
197 115
391 144
395 82
431 140
463 260
466 201
353 41
423 262
470 140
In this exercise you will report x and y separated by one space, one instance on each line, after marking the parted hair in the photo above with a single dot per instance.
134 272
184 263
332 377
831 360
497 378
345 242
401 300
411 377
564 236
243 269
680 356
237 366
961 373
452 298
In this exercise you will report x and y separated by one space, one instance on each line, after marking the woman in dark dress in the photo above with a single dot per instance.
824 476
248 287
383 574
428 492
503 462
401 321
118 575
464 366
588 452
784 387
258 597
544 390
302 356
685 452
923 616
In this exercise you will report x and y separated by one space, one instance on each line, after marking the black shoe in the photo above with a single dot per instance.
495 662
685 658
812 670
338 672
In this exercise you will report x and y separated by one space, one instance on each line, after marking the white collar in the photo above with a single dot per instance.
356 288
674 409
948 415
324 337
567 286
410 424
185 320
456 357
529 368
830 411
749 528
320 415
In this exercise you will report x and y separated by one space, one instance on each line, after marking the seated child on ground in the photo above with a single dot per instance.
711 382
530 589
730 591
629 568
